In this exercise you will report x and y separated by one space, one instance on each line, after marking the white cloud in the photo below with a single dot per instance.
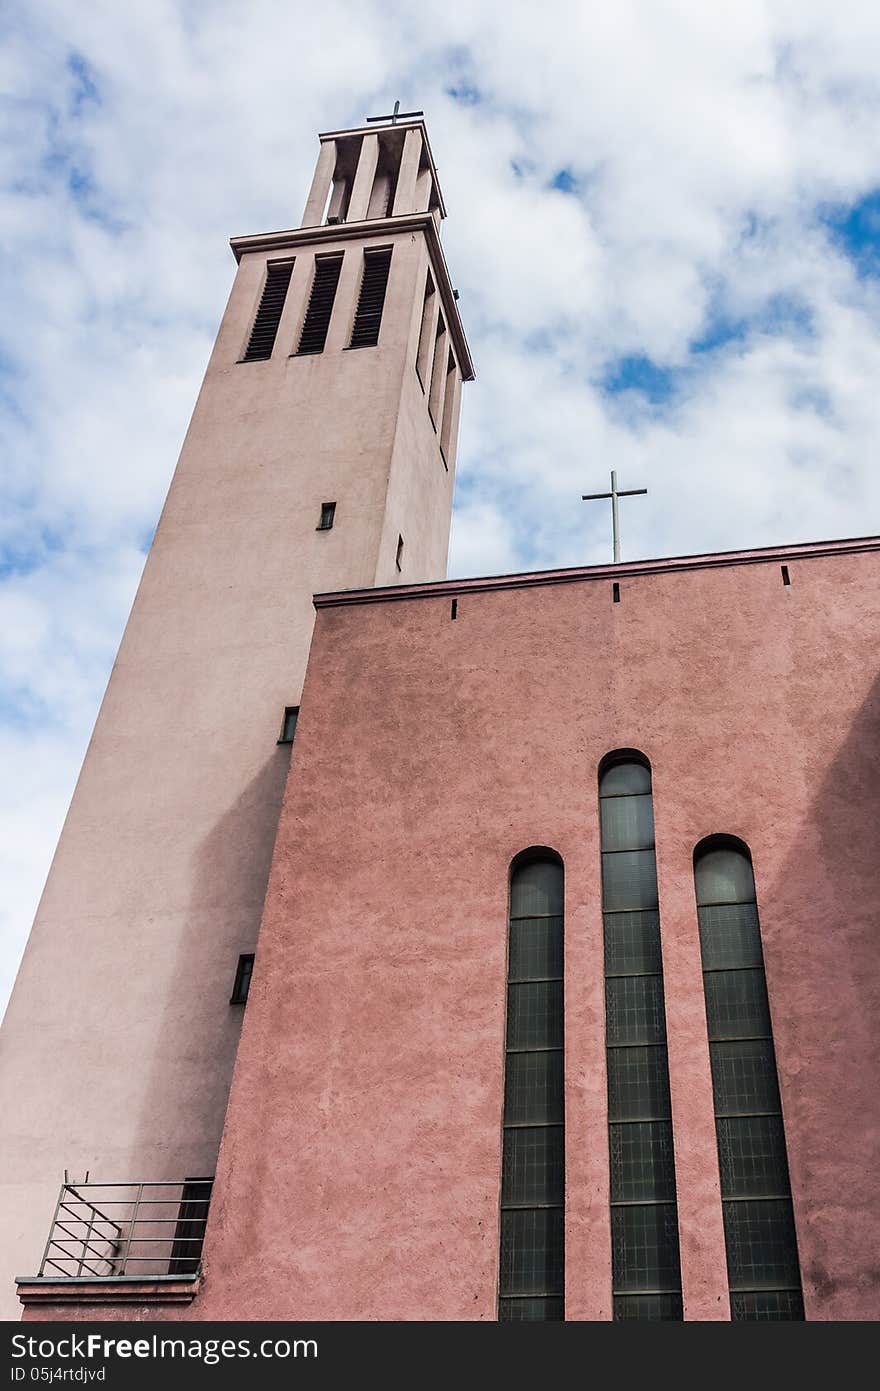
705 146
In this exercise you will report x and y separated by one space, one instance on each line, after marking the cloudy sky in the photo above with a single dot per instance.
664 225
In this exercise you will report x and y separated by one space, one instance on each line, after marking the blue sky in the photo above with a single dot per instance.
664 223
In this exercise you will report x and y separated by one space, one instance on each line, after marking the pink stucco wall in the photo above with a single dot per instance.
359 1170
119 1040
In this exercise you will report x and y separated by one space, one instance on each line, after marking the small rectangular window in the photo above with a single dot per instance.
317 320
371 300
265 329
328 512
242 983
399 558
288 724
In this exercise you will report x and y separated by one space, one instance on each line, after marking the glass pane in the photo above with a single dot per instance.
632 942
535 948
534 1015
532 1252
772 1306
751 1153
533 1087
531 1310
736 1004
629 880
536 888
533 1167
634 1010
627 822
623 778
638 1083
724 876
658 1308
730 936
642 1164
761 1247
644 1248
744 1077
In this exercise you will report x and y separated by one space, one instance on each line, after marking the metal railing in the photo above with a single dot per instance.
103 1230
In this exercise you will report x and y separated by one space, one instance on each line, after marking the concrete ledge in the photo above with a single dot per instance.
114 1289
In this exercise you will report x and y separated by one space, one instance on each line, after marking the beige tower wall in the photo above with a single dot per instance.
119 1039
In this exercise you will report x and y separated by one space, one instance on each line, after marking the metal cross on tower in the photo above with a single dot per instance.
615 520
396 115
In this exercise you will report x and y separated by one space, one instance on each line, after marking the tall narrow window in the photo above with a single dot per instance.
398 559
645 1265
317 320
328 512
762 1259
438 375
448 407
532 1275
371 301
424 355
265 329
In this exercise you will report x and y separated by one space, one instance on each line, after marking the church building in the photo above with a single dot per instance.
426 949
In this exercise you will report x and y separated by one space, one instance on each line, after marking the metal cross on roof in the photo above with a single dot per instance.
615 520
396 115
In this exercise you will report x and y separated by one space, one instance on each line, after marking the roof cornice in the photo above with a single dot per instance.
763 555
372 227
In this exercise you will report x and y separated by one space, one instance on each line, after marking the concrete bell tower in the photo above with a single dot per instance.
320 456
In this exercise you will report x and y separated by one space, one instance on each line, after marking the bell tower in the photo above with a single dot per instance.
320 456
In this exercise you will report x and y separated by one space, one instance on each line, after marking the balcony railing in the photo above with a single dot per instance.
104 1230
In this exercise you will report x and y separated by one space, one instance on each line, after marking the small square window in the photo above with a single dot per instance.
288 724
328 512
242 979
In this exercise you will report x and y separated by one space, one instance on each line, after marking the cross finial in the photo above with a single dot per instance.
615 521
396 115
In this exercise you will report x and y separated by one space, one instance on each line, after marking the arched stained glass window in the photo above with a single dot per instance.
532 1273
646 1270
762 1259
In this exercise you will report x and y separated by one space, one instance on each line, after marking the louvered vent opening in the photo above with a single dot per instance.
371 301
317 320
262 339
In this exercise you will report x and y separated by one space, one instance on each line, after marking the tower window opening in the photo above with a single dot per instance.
269 311
371 300
423 356
786 577
448 404
615 592
328 512
398 559
435 392
320 308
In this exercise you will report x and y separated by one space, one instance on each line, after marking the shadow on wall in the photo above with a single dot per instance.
821 929
185 1098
